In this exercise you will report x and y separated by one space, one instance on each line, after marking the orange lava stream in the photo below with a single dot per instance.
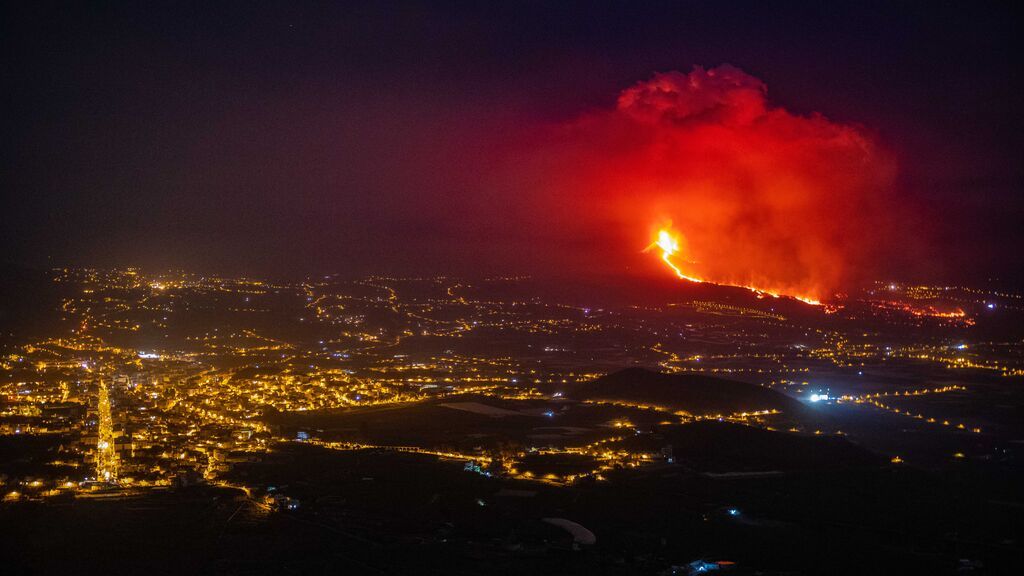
669 246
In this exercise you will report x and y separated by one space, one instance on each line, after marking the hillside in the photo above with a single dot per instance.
711 446
694 393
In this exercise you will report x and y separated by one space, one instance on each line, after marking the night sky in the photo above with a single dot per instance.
428 138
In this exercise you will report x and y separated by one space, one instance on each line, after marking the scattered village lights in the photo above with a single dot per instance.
363 364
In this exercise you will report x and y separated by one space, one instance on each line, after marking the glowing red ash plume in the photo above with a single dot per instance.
759 197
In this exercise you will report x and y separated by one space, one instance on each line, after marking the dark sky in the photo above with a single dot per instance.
291 138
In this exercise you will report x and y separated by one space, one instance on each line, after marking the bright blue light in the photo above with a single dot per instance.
733 512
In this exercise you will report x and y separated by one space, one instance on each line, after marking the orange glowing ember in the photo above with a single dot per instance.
669 244
956 315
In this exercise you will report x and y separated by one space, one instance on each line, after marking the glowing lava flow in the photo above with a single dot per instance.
669 246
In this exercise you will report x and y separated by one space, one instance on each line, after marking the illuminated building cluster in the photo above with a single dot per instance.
176 378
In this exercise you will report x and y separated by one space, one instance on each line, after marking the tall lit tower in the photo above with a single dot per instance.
106 452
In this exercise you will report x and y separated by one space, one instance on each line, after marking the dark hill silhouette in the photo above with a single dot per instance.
29 302
712 446
694 393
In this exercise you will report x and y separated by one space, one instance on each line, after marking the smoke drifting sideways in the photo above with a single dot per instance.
759 196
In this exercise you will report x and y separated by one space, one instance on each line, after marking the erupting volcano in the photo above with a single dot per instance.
759 197
669 245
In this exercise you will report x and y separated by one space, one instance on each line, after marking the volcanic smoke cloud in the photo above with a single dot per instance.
762 197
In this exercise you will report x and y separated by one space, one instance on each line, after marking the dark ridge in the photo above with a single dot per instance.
694 393
720 447
29 301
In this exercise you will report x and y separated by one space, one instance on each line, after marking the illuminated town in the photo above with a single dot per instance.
512 288
164 375
159 382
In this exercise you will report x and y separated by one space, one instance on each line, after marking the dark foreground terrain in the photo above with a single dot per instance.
833 510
